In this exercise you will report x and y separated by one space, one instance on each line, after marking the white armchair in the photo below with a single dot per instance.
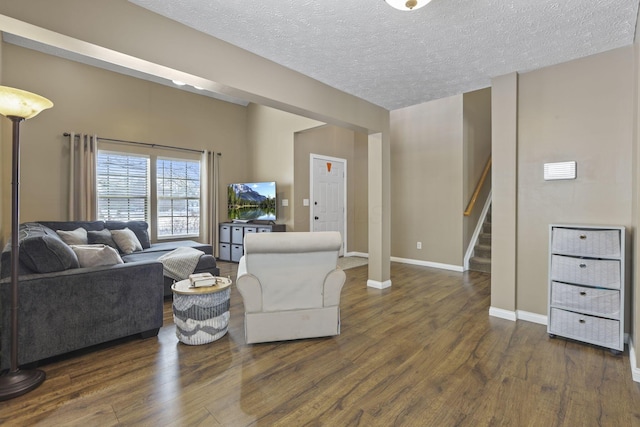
290 285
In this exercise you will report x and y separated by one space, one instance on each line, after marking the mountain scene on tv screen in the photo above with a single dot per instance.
252 201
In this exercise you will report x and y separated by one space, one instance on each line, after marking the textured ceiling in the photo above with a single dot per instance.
396 59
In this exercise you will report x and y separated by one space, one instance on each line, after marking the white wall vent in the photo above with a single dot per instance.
559 170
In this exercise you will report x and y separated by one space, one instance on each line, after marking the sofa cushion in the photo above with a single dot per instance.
42 251
95 255
169 246
75 237
126 240
72 225
140 228
102 237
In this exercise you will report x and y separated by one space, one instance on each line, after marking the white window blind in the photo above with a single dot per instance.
122 186
178 193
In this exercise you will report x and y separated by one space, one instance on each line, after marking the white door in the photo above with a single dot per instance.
328 183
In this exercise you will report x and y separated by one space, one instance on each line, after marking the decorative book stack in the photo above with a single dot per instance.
202 279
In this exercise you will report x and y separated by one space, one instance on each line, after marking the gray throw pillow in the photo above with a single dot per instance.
75 237
102 237
140 228
46 254
126 241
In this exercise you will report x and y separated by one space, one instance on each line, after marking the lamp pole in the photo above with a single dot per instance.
16 382
18 105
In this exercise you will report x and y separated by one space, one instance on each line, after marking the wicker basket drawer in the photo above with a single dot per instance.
581 271
585 242
599 302
595 330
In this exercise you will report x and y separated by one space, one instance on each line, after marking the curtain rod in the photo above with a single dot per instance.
146 144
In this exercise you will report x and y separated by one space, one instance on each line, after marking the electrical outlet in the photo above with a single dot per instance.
419 245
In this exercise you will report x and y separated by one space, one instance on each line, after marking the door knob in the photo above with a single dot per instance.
317 218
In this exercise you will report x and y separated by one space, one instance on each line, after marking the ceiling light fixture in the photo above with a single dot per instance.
407 4
178 83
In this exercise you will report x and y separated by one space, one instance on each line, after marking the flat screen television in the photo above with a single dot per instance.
250 201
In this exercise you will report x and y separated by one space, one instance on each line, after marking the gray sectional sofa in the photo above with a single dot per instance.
66 307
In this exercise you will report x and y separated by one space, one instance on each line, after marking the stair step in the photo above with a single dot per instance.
482 251
481 259
480 264
484 239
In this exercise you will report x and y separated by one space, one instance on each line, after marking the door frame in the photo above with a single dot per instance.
312 158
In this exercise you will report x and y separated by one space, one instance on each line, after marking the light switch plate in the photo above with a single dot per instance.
285 202
305 202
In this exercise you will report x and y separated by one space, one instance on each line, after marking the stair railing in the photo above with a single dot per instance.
479 186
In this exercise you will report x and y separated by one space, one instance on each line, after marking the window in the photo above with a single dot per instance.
123 186
178 193
163 191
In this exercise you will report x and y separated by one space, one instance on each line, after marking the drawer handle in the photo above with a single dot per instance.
583 293
583 236
583 265
582 321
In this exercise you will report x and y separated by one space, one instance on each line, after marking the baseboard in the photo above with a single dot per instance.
635 371
359 254
451 267
413 262
531 317
378 285
502 314
527 316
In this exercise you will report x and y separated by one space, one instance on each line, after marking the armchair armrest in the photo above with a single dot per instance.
249 287
333 286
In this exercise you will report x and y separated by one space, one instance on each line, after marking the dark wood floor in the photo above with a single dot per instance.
424 352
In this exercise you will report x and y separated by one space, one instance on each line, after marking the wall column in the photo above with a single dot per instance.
379 211
504 178
634 295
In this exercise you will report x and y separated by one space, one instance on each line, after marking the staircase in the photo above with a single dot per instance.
481 259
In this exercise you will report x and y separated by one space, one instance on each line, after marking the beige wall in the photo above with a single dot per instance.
270 153
580 110
427 181
477 150
359 237
119 30
341 143
131 30
635 213
504 179
439 150
88 99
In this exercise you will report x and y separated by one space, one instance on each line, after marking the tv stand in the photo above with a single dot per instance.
262 222
231 236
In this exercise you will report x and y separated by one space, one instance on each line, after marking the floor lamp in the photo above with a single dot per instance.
18 105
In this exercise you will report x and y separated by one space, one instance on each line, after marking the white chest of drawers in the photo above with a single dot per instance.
586 284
